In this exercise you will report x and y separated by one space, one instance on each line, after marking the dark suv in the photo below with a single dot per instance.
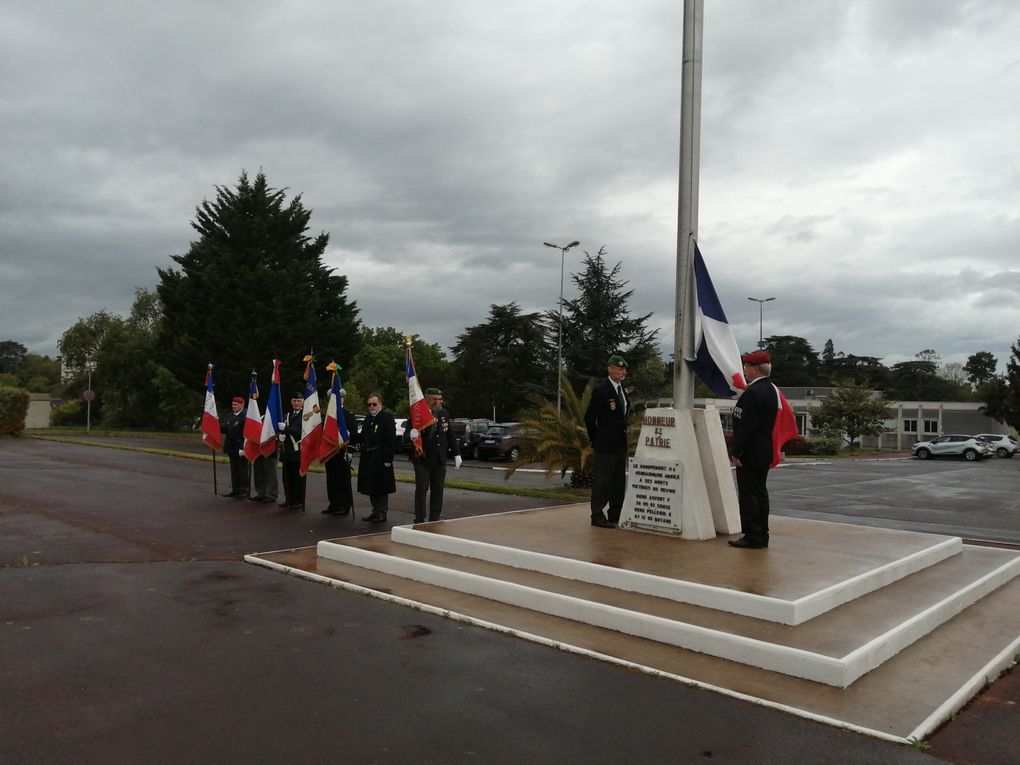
503 441
469 433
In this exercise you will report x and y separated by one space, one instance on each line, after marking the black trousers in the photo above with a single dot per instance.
608 484
293 483
753 496
338 483
380 503
428 481
238 473
264 476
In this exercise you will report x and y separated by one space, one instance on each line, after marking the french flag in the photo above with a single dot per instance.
421 416
717 357
253 422
784 428
273 415
311 420
210 427
334 430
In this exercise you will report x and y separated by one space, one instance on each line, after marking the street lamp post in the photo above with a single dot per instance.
761 319
559 340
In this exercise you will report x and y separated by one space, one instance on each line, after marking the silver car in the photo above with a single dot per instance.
1003 446
969 447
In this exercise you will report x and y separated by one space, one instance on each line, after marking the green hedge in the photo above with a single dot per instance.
13 410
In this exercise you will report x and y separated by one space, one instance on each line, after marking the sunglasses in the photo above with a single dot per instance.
372 404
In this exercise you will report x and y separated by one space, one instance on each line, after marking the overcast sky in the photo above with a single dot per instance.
860 160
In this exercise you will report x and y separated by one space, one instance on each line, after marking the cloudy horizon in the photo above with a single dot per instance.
859 160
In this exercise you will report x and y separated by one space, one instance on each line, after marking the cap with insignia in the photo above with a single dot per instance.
754 358
433 392
617 361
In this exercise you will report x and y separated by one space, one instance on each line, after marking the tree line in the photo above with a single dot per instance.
253 287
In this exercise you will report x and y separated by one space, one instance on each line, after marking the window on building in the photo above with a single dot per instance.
931 426
801 423
910 426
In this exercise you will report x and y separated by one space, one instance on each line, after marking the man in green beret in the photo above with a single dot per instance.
606 421
438 442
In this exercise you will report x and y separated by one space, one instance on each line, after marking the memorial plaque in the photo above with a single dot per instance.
653 500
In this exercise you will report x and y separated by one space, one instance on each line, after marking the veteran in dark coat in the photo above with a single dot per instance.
751 449
438 442
338 468
290 456
378 439
606 421
233 446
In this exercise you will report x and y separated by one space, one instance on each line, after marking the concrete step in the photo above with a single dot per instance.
835 648
826 564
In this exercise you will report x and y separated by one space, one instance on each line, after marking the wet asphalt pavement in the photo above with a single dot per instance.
132 632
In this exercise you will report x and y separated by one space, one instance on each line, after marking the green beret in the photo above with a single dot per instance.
617 361
433 392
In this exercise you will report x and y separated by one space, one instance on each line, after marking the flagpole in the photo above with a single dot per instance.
687 214
215 490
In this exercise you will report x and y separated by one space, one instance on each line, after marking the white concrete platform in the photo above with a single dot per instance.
874 616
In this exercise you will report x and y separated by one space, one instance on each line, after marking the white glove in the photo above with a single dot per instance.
387 464
414 433
240 452
281 425
282 438
457 460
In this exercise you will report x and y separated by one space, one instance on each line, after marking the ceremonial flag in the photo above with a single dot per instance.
784 428
421 416
311 420
717 357
253 422
210 427
272 416
334 430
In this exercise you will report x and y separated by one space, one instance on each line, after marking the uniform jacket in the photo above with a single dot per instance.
292 437
378 439
753 418
605 419
438 441
233 432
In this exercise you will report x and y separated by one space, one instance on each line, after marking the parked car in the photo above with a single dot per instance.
952 445
1004 446
469 433
503 441
403 428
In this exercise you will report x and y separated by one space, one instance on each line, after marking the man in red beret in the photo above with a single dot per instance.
751 449
233 447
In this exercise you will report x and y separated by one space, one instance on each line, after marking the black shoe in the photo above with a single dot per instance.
376 518
229 494
284 504
346 511
297 507
257 499
602 523
433 520
745 542
765 541
330 511
419 520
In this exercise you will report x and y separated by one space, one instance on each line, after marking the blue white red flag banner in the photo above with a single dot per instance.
334 428
784 428
717 357
420 415
211 433
311 419
253 422
272 416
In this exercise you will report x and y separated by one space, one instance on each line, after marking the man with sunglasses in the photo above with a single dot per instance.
378 440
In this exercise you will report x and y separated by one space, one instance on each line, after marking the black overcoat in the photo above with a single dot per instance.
378 439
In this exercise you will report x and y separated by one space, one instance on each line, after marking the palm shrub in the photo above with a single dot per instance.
559 439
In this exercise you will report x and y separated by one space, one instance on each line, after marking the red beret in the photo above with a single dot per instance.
237 400
754 358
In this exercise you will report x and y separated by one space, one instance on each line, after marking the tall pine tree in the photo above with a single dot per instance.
252 288
598 323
